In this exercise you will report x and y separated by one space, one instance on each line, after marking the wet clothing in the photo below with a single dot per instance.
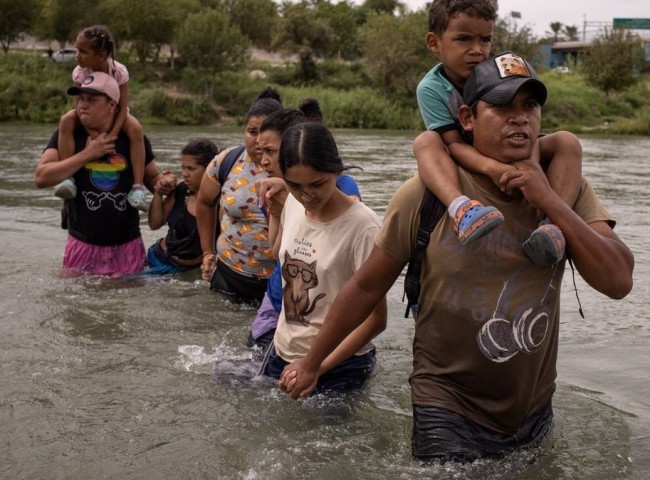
348 375
318 258
112 260
442 434
241 288
182 240
100 214
487 301
243 244
438 101
183 236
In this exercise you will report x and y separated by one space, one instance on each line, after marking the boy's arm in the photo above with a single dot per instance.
564 153
470 159
602 259
354 304
436 168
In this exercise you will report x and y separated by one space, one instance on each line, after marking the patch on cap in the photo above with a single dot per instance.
88 80
510 65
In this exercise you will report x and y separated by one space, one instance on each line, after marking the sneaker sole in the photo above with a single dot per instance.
482 226
542 248
64 193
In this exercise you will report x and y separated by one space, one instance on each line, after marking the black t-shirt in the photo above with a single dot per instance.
183 239
100 214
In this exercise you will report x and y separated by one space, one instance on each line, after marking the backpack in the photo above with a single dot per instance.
431 212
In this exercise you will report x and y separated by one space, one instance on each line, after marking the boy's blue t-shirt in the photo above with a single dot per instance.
347 185
438 101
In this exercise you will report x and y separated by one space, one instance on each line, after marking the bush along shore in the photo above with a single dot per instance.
33 89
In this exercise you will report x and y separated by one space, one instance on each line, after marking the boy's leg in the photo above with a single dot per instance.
563 152
439 174
67 189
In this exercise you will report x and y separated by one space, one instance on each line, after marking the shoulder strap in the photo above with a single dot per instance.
430 214
228 162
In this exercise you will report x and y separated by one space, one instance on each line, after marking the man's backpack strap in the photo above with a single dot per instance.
430 214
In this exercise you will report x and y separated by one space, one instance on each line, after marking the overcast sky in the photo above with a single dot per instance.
537 14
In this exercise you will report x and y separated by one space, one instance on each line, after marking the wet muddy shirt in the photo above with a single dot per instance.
243 244
486 336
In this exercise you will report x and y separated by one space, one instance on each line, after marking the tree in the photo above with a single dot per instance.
556 28
395 51
571 33
17 17
255 18
508 36
147 25
345 17
303 32
385 6
613 60
57 21
209 42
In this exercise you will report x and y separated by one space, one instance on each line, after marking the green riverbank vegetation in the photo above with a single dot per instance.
190 63
32 89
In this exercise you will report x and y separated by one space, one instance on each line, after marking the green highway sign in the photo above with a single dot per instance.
632 23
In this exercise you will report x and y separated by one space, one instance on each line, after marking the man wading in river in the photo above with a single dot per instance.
486 337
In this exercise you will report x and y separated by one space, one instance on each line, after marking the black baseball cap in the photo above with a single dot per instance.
498 79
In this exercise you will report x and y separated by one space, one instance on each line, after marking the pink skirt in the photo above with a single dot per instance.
114 261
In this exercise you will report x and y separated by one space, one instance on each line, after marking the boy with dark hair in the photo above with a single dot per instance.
460 32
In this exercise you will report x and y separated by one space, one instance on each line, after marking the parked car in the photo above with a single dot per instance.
65 55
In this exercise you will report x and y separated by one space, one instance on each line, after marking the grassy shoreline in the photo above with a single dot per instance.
32 89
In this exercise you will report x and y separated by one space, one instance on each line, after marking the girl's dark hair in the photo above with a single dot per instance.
311 108
267 102
100 38
202 149
279 121
310 144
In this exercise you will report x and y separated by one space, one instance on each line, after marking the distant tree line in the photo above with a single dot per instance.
215 36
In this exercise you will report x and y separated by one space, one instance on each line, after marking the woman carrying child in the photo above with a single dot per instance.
95 53
323 238
180 250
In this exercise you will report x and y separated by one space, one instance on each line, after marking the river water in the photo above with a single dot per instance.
104 378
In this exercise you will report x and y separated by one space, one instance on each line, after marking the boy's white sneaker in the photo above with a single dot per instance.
137 198
67 190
